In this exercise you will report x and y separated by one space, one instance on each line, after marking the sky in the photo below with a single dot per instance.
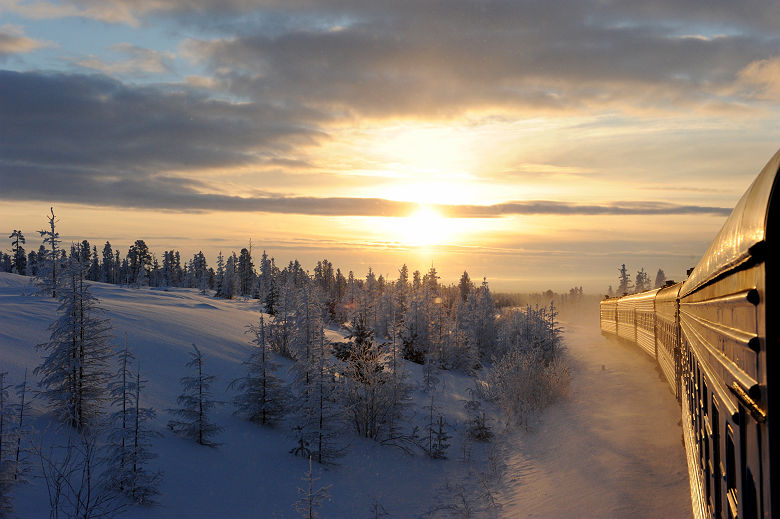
538 144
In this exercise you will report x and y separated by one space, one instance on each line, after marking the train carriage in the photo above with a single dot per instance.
667 333
717 348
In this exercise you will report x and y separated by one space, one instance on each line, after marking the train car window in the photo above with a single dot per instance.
716 475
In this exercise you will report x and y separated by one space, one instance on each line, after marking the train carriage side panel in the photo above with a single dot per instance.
725 380
608 316
667 335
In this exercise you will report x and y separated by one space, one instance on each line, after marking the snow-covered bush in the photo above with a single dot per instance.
531 373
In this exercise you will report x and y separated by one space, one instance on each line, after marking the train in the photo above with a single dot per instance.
715 338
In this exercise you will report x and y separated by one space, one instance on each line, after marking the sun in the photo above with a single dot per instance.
425 227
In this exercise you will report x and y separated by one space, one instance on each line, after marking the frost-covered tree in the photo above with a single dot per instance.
47 269
479 320
32 263
318 417
107 274
624 280
262 397
219 281
139 262
529 371
660 279
75 371
308 320
642 281
245 273
229 278
398 387
465 286
18 255
94 266
415 329
436 431
199 272
366 389
265 283
311 499
196 403
129 440
283 331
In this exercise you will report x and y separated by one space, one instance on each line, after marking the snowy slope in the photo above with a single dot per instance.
252 474
612 450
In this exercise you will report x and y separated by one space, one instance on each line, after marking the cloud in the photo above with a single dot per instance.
541 207
105 11
85 126
137 61
426 58
442 59
13 41
761 78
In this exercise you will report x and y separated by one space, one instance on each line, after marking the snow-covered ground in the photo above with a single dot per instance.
252 474
612 450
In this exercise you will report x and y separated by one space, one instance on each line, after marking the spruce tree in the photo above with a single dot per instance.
642 281
318 417
18 257
47 268
310 499
262 396
660 279
129 439
245 273
219 285
196 404
624 280
75 371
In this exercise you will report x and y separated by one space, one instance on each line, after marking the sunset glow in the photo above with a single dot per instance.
482 136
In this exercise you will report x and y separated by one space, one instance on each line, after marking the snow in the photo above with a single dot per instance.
612 449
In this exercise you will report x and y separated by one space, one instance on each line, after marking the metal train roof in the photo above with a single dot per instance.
744 228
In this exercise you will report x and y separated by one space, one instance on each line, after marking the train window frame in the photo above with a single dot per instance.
732 492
